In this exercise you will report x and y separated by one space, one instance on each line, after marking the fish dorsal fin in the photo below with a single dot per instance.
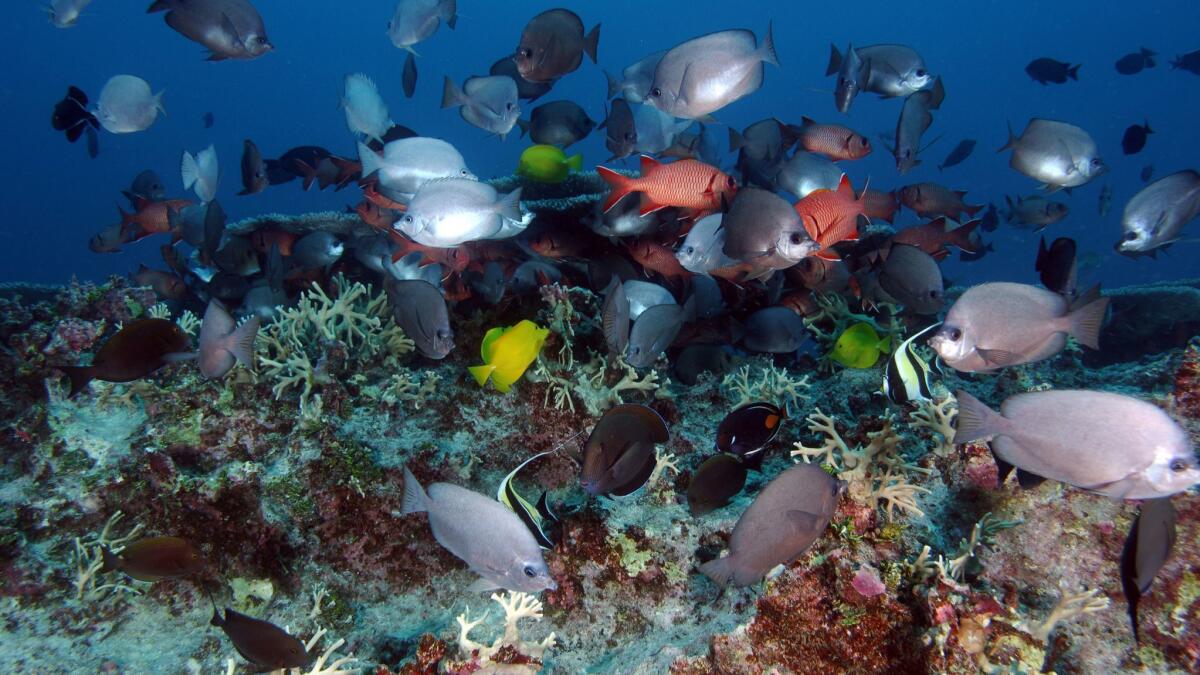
488 347
648 164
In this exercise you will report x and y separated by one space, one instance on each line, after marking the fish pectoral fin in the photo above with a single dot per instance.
998 357
1029 480
482 585
802 521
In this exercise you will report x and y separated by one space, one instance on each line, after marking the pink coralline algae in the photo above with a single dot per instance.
867 583
72 336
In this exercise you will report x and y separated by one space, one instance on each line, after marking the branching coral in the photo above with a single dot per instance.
188 322
833 316
1069 606
599 384
876 473
89 558
773 384
562 316
516 606
937 418
293 347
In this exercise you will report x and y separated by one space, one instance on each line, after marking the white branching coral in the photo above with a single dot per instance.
516 606
188 322
938 419
1069 606
772 384
599 384
89 559
833 316
876 474
292 347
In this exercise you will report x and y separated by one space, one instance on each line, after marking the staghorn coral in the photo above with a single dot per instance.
937 417
833 316
599 383
563 317
876 474
773 384
1069 606
89 559
508 652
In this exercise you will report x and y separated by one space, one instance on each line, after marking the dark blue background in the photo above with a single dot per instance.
56 197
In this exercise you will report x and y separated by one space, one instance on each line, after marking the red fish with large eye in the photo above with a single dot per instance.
687 184
832 140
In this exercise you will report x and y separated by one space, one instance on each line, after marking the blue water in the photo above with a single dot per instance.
57 198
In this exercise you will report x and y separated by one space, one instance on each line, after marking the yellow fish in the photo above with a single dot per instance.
547 163
859 346
507 352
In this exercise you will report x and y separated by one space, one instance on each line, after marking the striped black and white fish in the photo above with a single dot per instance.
906 378
539 519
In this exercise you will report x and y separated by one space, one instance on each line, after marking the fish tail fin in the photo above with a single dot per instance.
767 48
736 142
591 42
1087 321
1012 139
1073 72
448 12
79 376
1146 127
509 205
975 419
965 236
575 163
160 6
614 85
452 96
241 341
835 60
189 170
972 210
621 185
719 570
482 373
370 161
415 499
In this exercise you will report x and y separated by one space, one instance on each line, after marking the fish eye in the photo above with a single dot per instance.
1097 162
731 181
508 106
1178 465
525 53
656 92
934 294
464 172
1131 236
408 219
530 572
795 238
920 72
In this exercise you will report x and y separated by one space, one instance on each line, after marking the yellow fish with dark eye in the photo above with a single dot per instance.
547 163
859 346
507 352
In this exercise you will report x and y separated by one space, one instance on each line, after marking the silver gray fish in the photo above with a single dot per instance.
489 103
1118 446
1035 210
620 130
913 278
624 219
126 105
775 330
560 123
366 113
409 163
915 119
370 251
636 79
483 533
765 230
420 311
614 317
702 251
525 89
652 333
852 76
411 267
702 75
643 295
224 343
655 130
1155 216
230 29
201 172
146 185
806 172
453 211
415 20
1000 324
262 301
782 522
316 249
65 13
1058 154
888 70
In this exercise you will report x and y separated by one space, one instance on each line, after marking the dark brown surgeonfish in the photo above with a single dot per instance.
785 519
155 558
746 431
138 349
1150 542
553 44
619 455
719 479
261 642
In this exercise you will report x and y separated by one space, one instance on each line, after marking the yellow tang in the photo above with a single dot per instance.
859 346
507 352
547 163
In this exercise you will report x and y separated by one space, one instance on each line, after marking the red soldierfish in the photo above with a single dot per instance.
934 236
688 184
151 217
832 140
831 216
658 258
930 200
879 205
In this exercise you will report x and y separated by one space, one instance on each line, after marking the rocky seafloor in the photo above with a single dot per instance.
290 479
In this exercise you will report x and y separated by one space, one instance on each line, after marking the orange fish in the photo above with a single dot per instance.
933 237
832 140
263 240
688 184
658 258
930 200
453 259
376 216
831 216
371 194
150 217
879 205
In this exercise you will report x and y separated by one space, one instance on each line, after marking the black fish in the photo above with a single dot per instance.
746 431
527 90
716 481
1189 62
261 642
693 360
409 79
71 116
620 132
293 164
990 219
1135 138
619 456
255 176
1045 70
1149 545
960 152
208 120
394 133
1132 64
1056 266
138 349
1147 173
